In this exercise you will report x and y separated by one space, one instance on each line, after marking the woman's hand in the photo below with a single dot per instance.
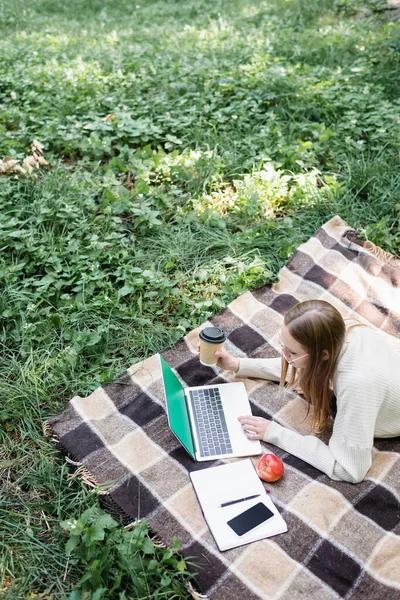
254 427
226 362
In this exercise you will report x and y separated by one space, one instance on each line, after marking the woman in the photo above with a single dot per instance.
322 358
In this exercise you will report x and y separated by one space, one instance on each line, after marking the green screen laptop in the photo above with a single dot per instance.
205 418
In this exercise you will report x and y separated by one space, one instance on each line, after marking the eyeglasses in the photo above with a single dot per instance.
286 352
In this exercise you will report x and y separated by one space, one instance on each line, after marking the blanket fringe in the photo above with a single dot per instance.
382 255
157 541
196 595
72 462
47 430
83 474
115 511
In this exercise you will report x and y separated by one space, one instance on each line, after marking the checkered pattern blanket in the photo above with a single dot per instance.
343 539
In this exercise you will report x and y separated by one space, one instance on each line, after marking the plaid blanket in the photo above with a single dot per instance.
343 539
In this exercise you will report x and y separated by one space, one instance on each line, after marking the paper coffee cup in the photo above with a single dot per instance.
211 340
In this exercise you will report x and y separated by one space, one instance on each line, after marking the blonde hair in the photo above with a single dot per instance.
317 326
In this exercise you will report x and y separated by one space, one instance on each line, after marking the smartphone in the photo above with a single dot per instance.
250 518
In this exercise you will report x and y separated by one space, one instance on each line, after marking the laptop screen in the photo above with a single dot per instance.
176 405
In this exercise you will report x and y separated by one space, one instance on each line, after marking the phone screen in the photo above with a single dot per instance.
250 518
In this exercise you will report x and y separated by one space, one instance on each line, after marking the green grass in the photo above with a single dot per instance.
233 131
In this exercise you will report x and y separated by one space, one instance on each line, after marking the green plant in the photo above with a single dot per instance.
122 564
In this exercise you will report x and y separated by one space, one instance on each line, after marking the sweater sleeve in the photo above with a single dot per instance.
348 456
264 368
340 461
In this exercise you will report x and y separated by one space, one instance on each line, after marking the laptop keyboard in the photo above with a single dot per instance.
210 423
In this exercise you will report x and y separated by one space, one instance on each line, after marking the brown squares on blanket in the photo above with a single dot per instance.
146 372
81 441
159 432
332 262
391 275
135 498
165 478
371 589
349 254
246 339
331 244
259 411
284 490
374 313
392 477
270 397
392 326
168 527
67 420
264 294
122 390
179 353
113 428
381 464
229 555
157 393
142 410
335 567
96 406
227 321
231 588
185 507
269 576
327 241
306 586
283 302
321 277
378 292
300 263
187 461
208 566
371 506
265 351
350 491
246 306
194 373
294 414
268 323
388 444
385 560
106 467
299 539
357 534
370 264
319 506
137 452
343 292
302 466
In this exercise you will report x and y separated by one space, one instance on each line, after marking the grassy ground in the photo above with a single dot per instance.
193 146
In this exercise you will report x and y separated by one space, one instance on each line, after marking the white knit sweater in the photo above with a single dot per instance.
367 388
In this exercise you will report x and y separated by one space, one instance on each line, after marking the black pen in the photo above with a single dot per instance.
239 500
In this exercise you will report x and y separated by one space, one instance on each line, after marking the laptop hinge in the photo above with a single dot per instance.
189 409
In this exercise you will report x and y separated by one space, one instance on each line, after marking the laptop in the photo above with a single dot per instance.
205 418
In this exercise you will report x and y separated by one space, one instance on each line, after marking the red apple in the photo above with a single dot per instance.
270 467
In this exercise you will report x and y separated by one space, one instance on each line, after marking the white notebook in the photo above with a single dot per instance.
231 482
